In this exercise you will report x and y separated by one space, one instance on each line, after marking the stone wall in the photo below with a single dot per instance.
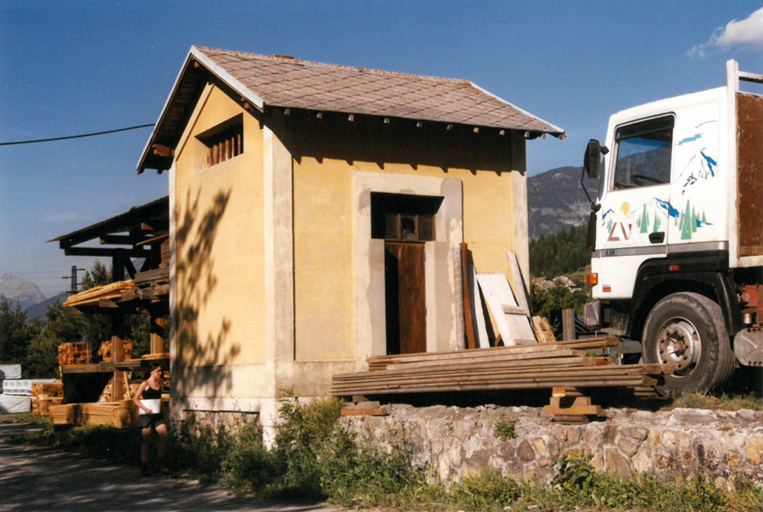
459 442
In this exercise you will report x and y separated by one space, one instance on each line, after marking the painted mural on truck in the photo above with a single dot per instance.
696 193
685 210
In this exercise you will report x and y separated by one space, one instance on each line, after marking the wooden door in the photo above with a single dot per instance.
405 297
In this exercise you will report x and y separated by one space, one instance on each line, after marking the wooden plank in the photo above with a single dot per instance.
518 361
471 357
750 173
478 314
378 411
489 386
507 373
522 294
379 362
469 326
498 294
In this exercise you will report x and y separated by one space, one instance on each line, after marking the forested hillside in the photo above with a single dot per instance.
560 253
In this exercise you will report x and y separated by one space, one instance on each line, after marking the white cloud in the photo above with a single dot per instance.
747 33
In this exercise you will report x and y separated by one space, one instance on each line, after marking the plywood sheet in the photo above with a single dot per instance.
515 329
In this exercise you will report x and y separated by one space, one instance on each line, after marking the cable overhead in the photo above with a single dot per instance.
69 137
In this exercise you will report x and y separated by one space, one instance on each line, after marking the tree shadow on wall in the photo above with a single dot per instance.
200 368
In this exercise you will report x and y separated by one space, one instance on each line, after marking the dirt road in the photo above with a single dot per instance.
33 479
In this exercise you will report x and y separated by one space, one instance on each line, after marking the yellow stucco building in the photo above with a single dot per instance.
316 216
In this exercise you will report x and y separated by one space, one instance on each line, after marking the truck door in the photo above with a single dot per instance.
635 213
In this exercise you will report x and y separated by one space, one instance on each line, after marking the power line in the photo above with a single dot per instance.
69 137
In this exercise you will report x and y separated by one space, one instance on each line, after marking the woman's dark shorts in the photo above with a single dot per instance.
151 421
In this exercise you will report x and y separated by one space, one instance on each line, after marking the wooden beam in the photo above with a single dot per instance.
163 151
117 354
121 239
106 252
157 332
471 341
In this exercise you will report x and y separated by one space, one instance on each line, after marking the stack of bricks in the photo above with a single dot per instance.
74 353
45 395
106 351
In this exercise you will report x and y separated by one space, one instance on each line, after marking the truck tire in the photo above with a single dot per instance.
687 330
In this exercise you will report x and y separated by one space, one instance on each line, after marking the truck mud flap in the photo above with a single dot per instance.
748 347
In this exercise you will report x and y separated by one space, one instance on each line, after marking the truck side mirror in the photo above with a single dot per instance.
592 159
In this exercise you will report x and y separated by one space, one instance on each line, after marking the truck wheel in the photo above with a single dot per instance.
687 330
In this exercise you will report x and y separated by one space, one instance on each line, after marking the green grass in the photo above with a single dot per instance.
317 460
713 402
26 417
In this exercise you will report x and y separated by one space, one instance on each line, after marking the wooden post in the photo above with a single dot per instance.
157 331
118 267
117 355
471 341
568 324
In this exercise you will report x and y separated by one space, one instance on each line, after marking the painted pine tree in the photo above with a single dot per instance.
644 220
693 220
686 221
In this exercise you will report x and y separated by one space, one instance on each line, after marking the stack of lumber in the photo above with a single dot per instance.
152 284
74 353
45 395
106 350
122 414
544 365
67 414
93 296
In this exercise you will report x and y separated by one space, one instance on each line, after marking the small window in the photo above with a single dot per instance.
224 141
403 217
643 153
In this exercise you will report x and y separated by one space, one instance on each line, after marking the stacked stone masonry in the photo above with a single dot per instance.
460 442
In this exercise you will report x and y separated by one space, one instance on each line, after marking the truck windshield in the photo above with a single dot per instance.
643 153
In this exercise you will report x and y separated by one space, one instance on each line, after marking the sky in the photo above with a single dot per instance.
76 67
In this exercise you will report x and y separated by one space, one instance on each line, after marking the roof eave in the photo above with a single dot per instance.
195 54
554 130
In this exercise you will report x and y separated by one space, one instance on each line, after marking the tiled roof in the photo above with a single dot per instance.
292 83
278 81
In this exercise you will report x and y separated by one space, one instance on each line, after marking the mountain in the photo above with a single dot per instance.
38 310
556 200
17 289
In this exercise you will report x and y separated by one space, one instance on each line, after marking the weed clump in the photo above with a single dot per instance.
504 430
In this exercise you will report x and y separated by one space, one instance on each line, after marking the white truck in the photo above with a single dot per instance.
677 234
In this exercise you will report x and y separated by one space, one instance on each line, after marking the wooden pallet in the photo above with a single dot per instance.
548 365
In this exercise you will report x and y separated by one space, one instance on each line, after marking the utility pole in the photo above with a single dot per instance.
73 277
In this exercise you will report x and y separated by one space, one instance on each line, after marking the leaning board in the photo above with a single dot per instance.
515 329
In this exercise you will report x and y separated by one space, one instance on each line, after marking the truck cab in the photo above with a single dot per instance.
677 257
